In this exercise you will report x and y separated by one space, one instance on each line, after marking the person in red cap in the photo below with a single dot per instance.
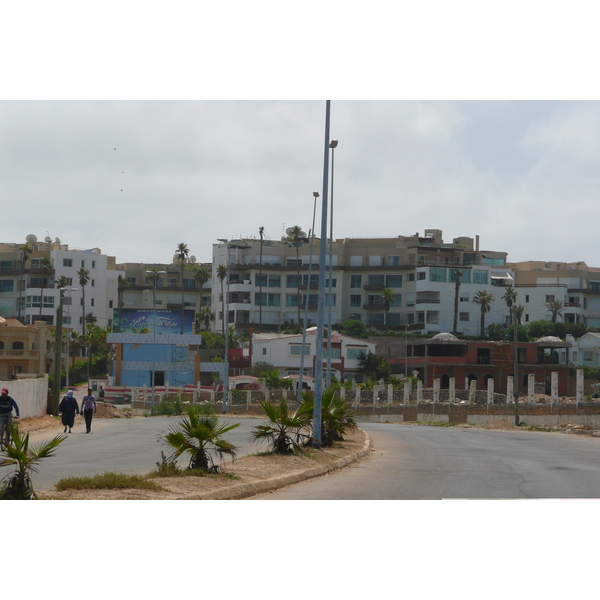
7 404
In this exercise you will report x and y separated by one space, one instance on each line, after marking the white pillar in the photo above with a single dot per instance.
490 391
407 391
452 391
472 390
436 390
510 394
531 388
579 386
419 391
390 394
466 383
553 387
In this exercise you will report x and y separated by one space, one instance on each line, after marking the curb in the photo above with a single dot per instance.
245 490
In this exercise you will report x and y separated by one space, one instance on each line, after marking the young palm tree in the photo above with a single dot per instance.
510 297
388 298
296 237
17 453
337 416
201 276
199 435
273 381
555 308
285 433
153 276
182 254
84 278
205 316
45 267
458 274
484 299
222 274
518 311
26 250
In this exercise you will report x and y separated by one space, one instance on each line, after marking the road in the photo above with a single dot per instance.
426 463
120 445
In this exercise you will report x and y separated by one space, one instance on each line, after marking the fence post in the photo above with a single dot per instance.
436 390
510 394
553 387
490 391
419 391
579 386
452 391
472 390
531 388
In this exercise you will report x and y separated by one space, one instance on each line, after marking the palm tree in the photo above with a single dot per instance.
295 237
205 316
337 416
84 278
458 274
182 254
199 434
510 297
285 433
17 453
26 250
484 299
555 307
45 267
518 312
388 298
122 285
201 276
222 274
273 381
153 274
373 366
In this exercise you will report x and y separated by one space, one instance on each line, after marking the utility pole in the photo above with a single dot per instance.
516 367
57 355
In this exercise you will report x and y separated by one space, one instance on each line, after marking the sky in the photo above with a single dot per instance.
135 178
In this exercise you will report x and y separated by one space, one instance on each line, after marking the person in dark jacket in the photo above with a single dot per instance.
68 407
7 405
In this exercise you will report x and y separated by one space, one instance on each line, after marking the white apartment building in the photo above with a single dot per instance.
268 284
28 290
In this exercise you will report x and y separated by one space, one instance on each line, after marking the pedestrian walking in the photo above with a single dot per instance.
88 406
101 394
68 407
7 405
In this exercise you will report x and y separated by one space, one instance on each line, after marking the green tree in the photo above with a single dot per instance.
122 285
221 275
45 268
201 276
84 279
354 328
541 328
17 453
387 298
510 297
200 434
373 366
284 432
26 250
295 238
458 275
555 308
337 416
205 316
182 254
484 299
274 382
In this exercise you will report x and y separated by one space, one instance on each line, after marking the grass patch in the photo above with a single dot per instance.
107 481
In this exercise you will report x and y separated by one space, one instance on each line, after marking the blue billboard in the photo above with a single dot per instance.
139 320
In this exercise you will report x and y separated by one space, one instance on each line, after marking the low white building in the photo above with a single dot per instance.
586 350
284 352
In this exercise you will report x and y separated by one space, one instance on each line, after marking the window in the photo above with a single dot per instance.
527 298
18 346
356 261
355 300
377 280
410 277
353 353
480 277
189 283
296 350
463 316
421 275
92 301
374 261
376 319
410 299
266 299
93 264
110 304
48 301
438 275
393 261
463 297
433 316
171 282
549 297
6 265
291 281
355 281
291 300
336 353
7 285
269 280
67 262
83 264
131 280
464 278
393 281
495 262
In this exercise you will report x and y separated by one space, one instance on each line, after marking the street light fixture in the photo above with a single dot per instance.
333 145
237 244
154 274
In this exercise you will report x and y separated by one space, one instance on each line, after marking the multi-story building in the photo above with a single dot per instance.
269 282
576 285
28 287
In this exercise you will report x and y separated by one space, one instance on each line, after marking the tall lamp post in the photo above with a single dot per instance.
69 336
333 145
241 246
306 302
154 275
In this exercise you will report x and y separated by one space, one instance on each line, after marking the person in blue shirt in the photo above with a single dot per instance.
7 405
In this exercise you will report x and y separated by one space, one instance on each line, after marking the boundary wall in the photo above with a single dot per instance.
30 394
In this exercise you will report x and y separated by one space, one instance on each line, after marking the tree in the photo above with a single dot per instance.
205 316
457 274
484 299
182 254
337 416
122 285
285 433
17 453
84 278
273 381
354 328
510 297
261 231
199 435
26 250
555 308
221 275
295 237
201 276
388 298
519 309
45 267
153 275
373 366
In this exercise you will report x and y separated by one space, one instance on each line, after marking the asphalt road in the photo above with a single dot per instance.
120 445
426 463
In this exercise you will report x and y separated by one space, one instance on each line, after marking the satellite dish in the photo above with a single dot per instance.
31 238
291 230
192 259
48 239
56 241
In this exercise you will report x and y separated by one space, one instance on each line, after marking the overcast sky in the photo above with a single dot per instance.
135 178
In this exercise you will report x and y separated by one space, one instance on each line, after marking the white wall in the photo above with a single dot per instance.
31 395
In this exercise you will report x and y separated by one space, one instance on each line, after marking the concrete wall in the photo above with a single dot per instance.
31 395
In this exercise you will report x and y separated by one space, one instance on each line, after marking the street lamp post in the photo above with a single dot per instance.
333 146
155 275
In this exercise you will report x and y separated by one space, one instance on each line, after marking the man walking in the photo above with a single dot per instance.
7 404
88 405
